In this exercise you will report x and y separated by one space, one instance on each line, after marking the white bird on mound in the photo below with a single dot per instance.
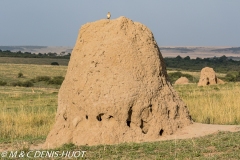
108 15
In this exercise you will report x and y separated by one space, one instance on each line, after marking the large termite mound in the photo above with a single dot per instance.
116 88
208 77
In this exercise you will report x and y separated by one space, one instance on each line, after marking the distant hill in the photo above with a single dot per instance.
201 52
38 49
167 51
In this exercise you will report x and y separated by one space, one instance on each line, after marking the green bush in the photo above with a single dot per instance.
56 80
22 84
20 75
27 84
3 83
42 78
55 64
238 78
18 83
33 80
232 76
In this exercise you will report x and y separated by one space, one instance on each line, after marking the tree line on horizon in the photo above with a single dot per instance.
221 64
8 53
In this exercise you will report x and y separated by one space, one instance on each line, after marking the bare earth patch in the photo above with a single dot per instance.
199 130
191 131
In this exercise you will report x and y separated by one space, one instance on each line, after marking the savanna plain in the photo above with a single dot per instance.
28 113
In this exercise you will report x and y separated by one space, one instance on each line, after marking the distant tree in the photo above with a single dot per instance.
207 59
55 64
52 54
187 58
178 57
223 58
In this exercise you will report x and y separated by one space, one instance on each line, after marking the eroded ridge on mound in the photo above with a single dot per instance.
116 88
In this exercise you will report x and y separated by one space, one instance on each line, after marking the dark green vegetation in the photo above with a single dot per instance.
233 76
3 83
21 84
49 80
173 76
221 64
55 64
30 83
20 75
57 80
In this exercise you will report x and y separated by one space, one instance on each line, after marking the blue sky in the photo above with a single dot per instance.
173 23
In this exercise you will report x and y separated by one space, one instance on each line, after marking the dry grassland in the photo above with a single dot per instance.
9 72
25 114
217 104
38 61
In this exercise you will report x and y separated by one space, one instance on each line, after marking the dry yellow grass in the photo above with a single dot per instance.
217 104
24 114
9 72
27 112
